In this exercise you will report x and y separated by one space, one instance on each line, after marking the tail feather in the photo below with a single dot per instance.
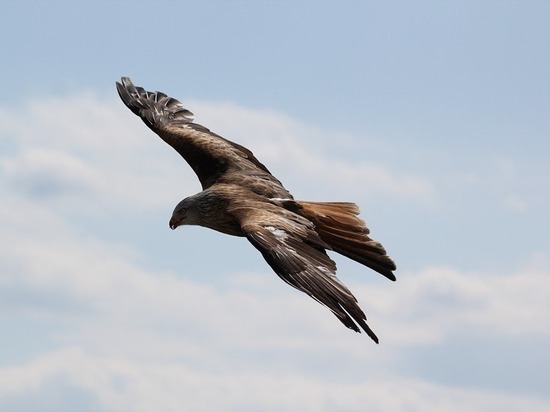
338 225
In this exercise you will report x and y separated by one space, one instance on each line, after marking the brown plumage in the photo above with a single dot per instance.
241 197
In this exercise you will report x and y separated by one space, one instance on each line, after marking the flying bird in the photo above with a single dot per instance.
240 197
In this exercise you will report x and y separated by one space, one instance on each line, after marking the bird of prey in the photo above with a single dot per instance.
240 197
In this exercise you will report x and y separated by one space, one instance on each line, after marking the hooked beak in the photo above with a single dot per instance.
174 222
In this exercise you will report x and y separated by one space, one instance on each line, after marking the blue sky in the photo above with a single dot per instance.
432 116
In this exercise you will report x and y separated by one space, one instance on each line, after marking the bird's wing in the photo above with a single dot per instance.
290 245
213 158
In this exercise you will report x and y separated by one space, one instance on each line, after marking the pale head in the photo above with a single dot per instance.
185 213
208 209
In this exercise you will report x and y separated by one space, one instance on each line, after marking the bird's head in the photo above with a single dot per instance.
186 213
189 212
177 219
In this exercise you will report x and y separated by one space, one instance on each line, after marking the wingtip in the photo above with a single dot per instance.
390 276
128 93
125 80
121 86
362 322
371 334
124 85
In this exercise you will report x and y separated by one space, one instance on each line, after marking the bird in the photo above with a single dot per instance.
240 197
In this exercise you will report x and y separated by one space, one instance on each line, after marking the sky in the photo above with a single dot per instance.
432 116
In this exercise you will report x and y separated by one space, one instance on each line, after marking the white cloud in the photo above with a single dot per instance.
142 338
440 303
121 385
305 153
145 339
83 145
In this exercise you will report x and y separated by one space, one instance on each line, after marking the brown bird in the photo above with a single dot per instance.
241 197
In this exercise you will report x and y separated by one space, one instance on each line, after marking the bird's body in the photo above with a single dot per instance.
241 197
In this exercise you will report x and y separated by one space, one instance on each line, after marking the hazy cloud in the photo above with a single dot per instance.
133 336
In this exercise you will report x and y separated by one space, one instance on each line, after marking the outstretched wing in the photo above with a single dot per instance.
213 158
295 252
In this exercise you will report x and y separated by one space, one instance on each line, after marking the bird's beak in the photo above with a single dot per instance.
174 222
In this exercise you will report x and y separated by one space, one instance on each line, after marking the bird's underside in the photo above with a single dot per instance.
241 197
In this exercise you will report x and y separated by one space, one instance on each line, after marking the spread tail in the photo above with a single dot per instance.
338 225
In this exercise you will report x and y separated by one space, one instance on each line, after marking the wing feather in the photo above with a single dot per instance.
297 255
213 158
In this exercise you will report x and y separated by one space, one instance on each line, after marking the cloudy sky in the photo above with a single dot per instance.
432 116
